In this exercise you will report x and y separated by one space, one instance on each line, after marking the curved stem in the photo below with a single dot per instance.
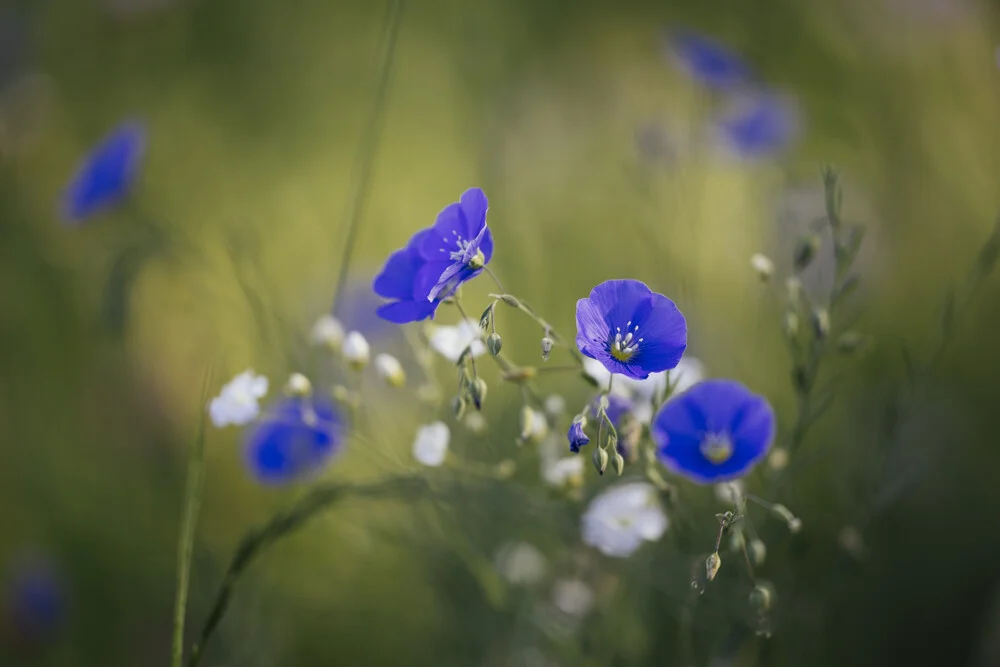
406 487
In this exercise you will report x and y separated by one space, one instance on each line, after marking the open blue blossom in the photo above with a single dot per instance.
436 261
630 329
714 432
761 126
106 175
295 438
707 61
577 436
33 599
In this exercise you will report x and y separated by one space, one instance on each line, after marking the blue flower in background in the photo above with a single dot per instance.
357 311
577 436
618 407
708 61
295 438
436 261
630 329
714 432
761 126
106 175
33 599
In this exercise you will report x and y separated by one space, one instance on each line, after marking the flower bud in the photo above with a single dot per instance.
600 460
510 300
821 322
756 552
761 598
390 370
793 522
328 331
762 266
805 250
494 343
547 344
555 405
618 463
712 565
298 385
356 350
477 390
736 539
458 406
778 459
527 422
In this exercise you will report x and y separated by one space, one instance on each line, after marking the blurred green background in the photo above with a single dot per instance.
255 110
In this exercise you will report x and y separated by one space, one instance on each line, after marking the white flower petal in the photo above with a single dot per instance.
237 402
431 444
619 520
451 341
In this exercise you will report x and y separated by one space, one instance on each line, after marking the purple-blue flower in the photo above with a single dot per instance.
576 436
630 329
436 260
33 599
106 175
293 439
761 126
708 61
714 432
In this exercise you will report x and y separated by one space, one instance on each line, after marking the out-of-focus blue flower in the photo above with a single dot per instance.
708 61
106 175
618 407
357 311
630 329
436 261
293 439
760 126
714 432
577 436
33 599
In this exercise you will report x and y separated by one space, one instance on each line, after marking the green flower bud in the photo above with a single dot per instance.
600 460
712 565
618 463
494 343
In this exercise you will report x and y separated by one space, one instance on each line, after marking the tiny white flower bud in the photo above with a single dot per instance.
794 287
356 350
763 266
298 385
390 370
328 331
778 459
712 565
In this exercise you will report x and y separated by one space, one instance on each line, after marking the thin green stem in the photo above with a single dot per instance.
496 280
185 542
319 499
368 146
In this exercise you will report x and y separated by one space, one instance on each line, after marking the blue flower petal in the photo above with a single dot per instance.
461 221
708 61
106 175
396 279
577 437
766 125
402 312
293 440
713 407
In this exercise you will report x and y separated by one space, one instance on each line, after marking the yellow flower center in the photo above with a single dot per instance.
717 448
624 347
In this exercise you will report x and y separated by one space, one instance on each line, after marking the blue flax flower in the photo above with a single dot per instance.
714 432
630 329
577 436
761 126
436 260
295 438
33 602
708 61
106 175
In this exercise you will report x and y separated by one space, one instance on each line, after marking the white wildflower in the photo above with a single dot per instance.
521 563
555 405
431 444
298 385
390 370
451 341
560 472
763 266
328 331
237 403
356 350
572 597
619 520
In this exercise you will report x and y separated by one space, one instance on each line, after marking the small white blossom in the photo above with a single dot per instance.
237 403
572 597
390 370
561 471
356 350
328 331
431 444
619 520
729 492
763 266
521 563
298 385
555 405
535 426
451 341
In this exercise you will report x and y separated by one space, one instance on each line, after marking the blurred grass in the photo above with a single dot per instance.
255 111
